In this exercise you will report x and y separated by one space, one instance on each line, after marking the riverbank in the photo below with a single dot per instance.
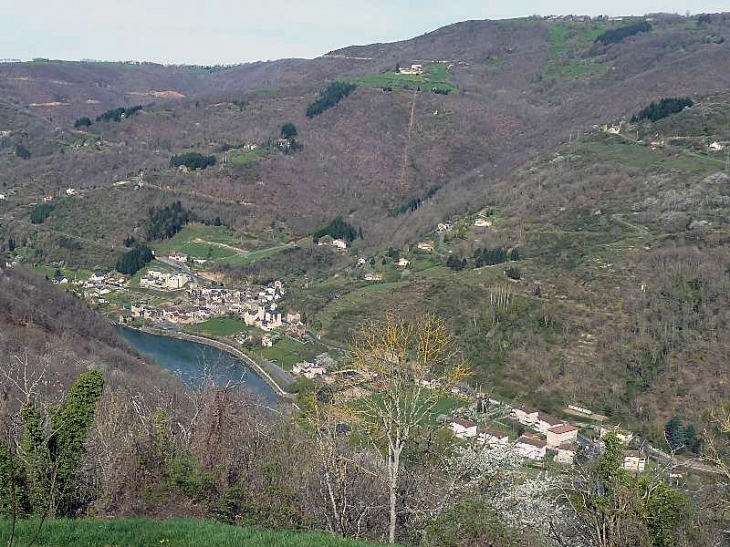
238 354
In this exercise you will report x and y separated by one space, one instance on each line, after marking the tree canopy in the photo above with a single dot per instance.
334 93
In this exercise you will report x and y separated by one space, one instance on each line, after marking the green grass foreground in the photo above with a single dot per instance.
125 532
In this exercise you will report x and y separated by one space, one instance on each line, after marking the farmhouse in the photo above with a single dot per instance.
414 70
373 277
545 422
566 453
561 434
2 197
634 461
309 370
178 257
482 223
492 436
524 414
426 246
531 447
403 262
463 428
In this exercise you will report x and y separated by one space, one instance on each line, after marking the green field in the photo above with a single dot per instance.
435 77
243 157
219 326
49 272
166 533
287 352
198 240
569 44
245 258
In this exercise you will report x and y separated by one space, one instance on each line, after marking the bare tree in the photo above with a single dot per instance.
413 364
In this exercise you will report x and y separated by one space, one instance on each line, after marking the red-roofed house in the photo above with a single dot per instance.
531 447
492 436
463 428
561 434
524 414
545 422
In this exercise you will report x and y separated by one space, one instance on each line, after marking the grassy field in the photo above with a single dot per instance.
287 352
219 326
49 271
435 77
245 258
166 533
196 240
244 157
568 44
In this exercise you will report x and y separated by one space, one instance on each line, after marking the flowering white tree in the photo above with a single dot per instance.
496 475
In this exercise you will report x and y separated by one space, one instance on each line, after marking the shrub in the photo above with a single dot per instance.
513 272
662 109
116 114
135 260
40 212
288 130
614 36
338 229
192 160
168 221
82 122
334 93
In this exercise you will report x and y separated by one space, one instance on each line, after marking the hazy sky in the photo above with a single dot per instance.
221 31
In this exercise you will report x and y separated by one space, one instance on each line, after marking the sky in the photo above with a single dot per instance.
228 32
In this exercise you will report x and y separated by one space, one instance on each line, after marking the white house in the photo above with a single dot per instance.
482 223
444 226
361 261
634 461
97 276
403 262
561 434
545 422
70 191
715 147
309 370
339 243
492 436
178 257
531 447
426 246
2 197
524 414
623 436
463 428
373 277
566 453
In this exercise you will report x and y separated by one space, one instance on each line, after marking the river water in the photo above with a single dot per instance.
196 363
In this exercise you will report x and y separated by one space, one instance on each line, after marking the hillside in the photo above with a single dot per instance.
515 127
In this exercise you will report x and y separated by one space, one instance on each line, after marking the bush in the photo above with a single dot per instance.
40 212
614 36
135 260
338 229
288 130
166 222
513 272
192 160
22 152
329 98
82 122
662 109
116 114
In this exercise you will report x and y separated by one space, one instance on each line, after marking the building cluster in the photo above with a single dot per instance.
316 369
163 281
546 434
257 308
96 287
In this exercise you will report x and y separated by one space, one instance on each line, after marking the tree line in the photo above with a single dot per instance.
664 108
328 98
614 36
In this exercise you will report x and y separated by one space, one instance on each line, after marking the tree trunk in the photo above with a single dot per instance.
393 467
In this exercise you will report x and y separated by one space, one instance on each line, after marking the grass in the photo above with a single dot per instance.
569 44
245 157
196 240
287 352
220 326
252 256
435 77
127 532
49 271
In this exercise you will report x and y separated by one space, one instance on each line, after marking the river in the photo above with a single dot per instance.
194 362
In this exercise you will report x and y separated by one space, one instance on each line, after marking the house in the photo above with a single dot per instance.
482 223
178 257
97 276
622 435
545 422
70 191
266 342
524 414
403 262
463 428
566 453
60 280
677 474
413 71
444 226
426 246
531 447
309 370
2 197
46 199
361 261
200 261
373 277
339 244
715 147
325 240
492 436
561 434
634 461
